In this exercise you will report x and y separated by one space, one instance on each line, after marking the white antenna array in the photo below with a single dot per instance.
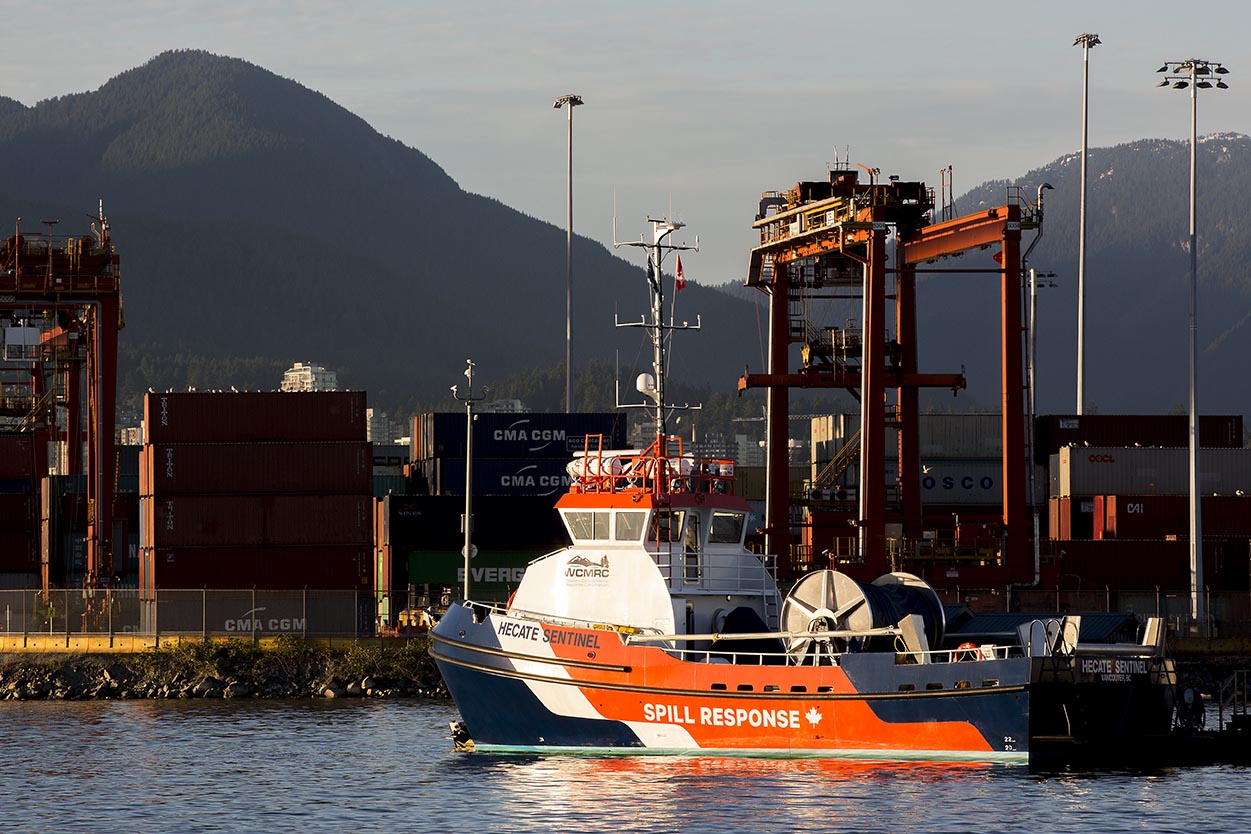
653 385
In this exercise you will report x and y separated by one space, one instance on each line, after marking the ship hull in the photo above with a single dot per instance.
528 685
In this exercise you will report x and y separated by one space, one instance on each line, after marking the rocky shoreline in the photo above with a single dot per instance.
225 670
297 669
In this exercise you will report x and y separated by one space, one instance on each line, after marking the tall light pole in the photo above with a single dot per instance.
1195 74
1031 351
573 100
1086 41
467 522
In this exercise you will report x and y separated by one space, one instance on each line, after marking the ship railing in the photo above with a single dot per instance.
737 577
722 648
699 572
662 467
1234 696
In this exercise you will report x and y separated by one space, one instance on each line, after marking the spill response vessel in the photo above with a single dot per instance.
656 631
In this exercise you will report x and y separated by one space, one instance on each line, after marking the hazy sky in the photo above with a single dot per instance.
698 105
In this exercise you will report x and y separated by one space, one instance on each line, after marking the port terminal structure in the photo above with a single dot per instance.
830 239
62 296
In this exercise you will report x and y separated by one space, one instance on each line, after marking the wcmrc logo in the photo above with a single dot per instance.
580 567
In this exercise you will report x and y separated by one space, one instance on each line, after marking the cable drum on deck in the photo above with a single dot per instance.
832 601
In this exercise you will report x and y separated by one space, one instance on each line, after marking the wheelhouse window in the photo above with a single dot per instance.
727 528
666 526
630 526
588 526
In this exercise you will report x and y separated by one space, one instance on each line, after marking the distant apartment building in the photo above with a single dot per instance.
130 436
309 377
750 450
379 427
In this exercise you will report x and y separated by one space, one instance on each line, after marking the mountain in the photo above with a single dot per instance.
259 223
1137 280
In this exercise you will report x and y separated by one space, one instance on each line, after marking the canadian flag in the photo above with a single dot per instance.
679 281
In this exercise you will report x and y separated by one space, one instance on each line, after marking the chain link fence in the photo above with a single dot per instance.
209 613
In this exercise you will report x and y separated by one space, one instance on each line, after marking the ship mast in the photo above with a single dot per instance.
653 385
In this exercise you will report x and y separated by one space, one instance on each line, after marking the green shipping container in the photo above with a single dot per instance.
494 569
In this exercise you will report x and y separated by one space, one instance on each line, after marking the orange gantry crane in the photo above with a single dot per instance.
61 298
833 235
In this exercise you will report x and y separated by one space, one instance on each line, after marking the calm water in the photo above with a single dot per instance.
387 766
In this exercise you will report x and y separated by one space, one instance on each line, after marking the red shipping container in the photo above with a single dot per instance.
1099 522
256 521
249 417
1128 565
266 468
1074 518
17 456
1161 516
19 552
18 512
145 456
347 568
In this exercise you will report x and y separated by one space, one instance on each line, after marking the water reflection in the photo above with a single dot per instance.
703 794
327 765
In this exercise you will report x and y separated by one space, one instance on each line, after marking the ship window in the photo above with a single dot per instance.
719 687
991 682
727 528
745 687
585 526
907 687
963 685
630 526
799 689
772 687
935 685
690 553
666 526
825 689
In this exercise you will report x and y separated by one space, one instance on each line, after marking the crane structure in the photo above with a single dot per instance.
830 238
60 313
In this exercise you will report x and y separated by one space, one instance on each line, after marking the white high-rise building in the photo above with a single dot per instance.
379 427
309 377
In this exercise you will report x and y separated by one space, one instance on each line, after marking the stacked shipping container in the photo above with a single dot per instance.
519 470
1126 478
1055 432
961 457
260 490
1087 471
513 454
419 545
19 512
